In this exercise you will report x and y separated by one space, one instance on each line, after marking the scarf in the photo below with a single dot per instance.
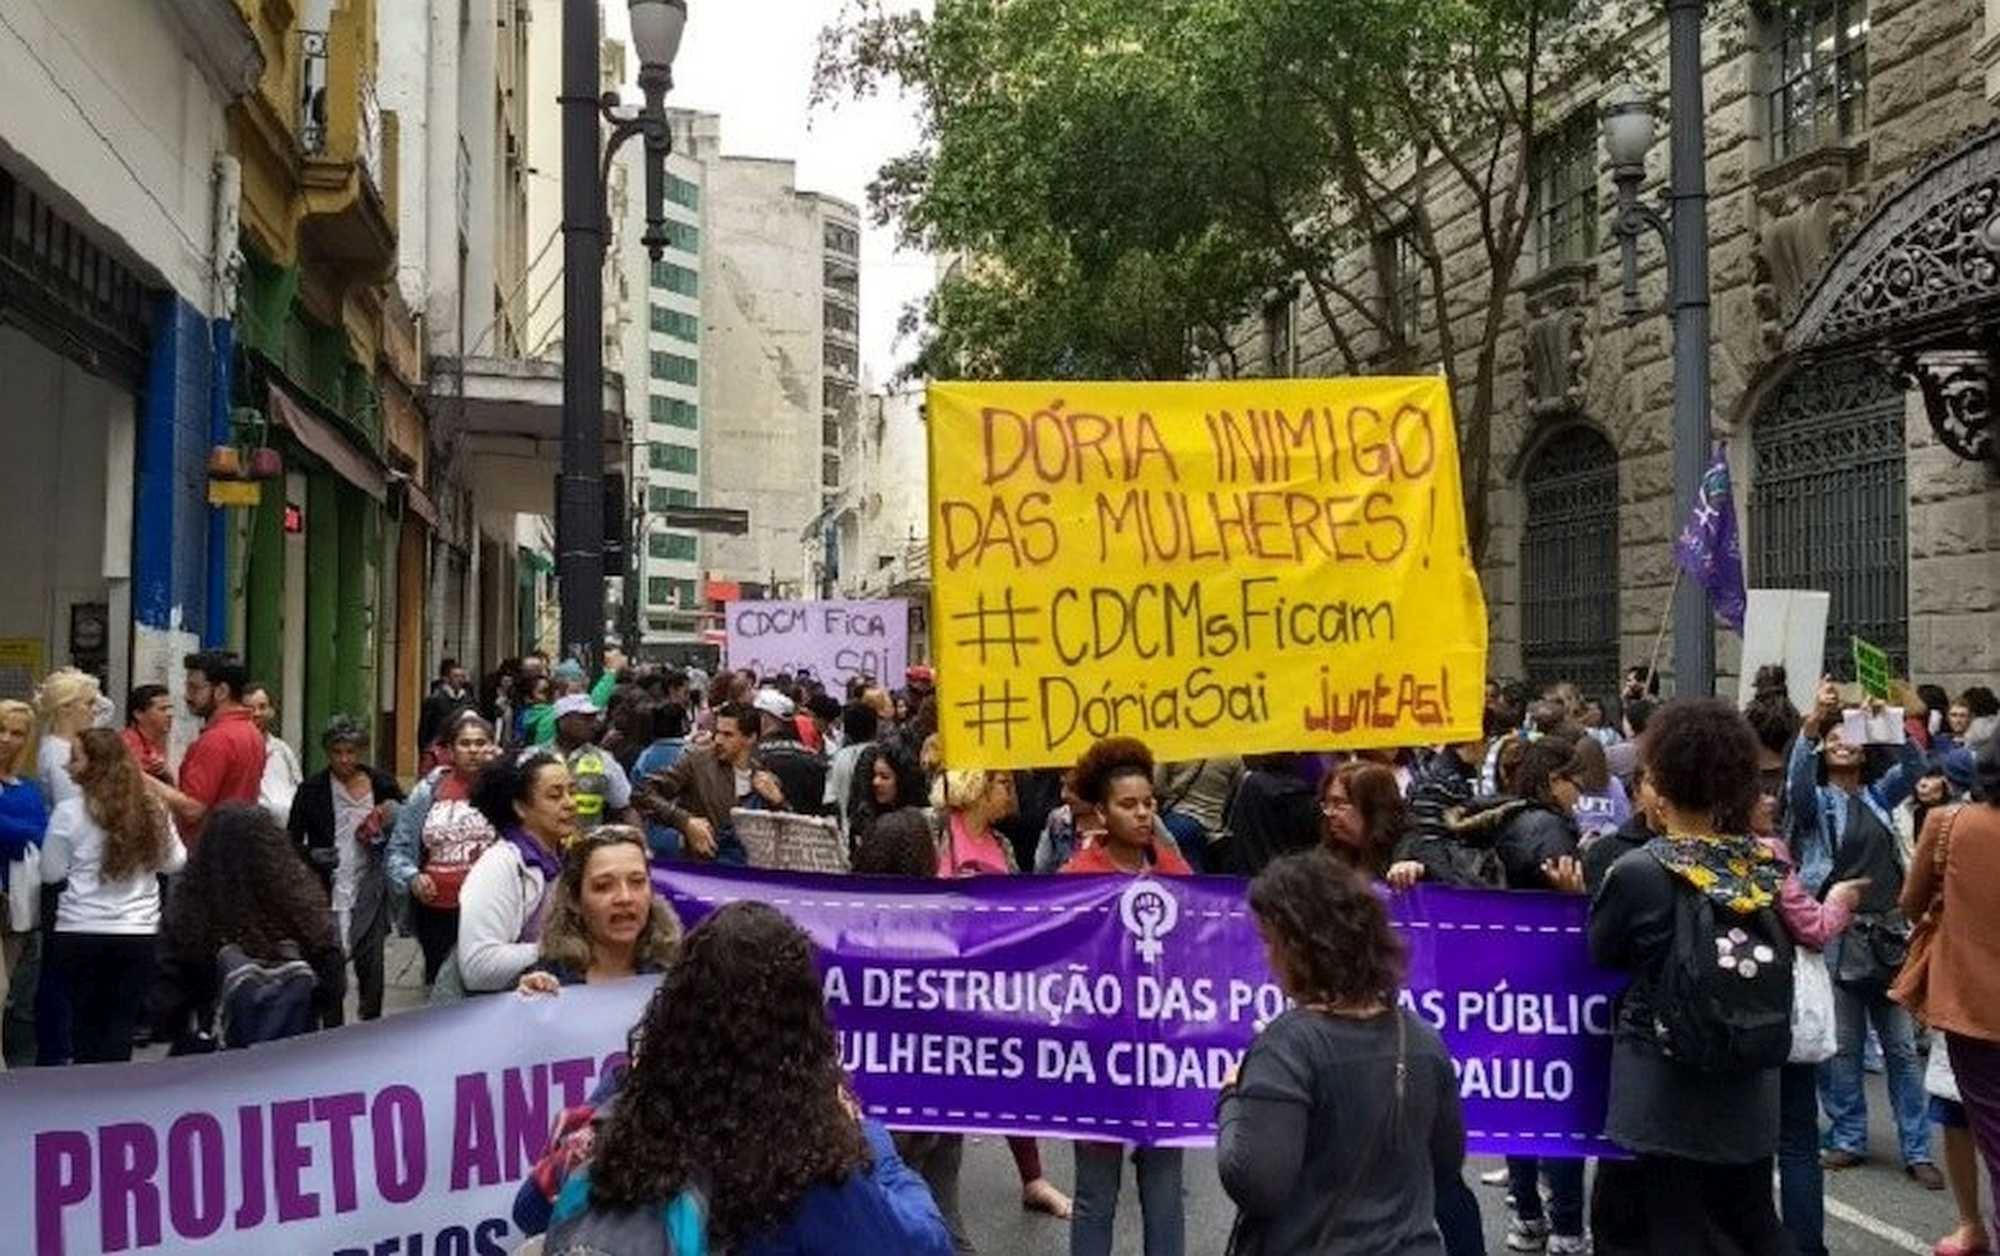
534 854
1735 872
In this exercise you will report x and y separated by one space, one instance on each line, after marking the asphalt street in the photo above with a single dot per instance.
1872 1210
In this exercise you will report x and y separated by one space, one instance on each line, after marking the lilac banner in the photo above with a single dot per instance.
1114 1007
834 640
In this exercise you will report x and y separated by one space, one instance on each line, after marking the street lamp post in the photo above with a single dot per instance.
1628 136
657 26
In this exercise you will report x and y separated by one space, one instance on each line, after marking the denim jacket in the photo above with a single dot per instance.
1819 812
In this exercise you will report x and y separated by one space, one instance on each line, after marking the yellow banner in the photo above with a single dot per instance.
1215 568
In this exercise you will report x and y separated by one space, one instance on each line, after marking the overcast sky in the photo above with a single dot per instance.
751 62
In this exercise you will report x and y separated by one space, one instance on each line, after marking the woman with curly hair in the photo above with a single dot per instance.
244 887
887 778
1342 1129
1364 815
1703 1124
604 920
1115 776
111 843
736 1044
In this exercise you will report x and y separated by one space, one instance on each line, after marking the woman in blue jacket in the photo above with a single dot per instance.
1844 826
735 1112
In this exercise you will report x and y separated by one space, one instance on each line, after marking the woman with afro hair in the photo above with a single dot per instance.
1115 776
734 1126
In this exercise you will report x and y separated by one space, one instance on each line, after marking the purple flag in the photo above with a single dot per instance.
1114 1007
1709 549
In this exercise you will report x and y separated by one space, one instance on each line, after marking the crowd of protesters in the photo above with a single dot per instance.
225 902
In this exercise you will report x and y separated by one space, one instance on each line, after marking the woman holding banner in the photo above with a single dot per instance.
24 817
968 806
604 920
734 1125
1116 777
1342 1131
1364 816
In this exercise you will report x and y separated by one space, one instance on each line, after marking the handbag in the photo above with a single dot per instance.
1814 1035
1911 988
24 891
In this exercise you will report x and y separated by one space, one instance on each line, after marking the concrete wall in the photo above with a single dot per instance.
762 373
131 151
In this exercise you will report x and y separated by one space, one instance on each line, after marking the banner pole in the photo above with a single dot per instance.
1660 638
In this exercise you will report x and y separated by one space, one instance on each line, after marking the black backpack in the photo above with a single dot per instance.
263 1000
1722 1003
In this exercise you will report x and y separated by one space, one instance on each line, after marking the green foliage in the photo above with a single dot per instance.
1127 182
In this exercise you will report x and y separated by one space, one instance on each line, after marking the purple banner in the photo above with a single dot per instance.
1113 1007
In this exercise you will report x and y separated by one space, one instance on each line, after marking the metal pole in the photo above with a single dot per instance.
1694 635
580 500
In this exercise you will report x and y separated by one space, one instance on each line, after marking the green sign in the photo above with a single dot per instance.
1871 668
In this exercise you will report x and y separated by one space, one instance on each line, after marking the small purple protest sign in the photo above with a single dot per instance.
1114 1007
834 640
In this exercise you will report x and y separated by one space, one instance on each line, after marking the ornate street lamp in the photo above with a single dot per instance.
657 26
1628 137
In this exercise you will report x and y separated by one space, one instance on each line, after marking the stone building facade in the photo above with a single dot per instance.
1854 172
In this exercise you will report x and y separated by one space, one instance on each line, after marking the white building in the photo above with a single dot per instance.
780 360
117 246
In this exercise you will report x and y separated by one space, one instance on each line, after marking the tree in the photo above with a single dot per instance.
1196 154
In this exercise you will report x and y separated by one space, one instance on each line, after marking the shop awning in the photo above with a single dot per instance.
328 445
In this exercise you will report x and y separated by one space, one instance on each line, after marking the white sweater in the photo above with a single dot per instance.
74 849
496 903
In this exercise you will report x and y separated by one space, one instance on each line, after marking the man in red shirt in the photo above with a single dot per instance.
226 763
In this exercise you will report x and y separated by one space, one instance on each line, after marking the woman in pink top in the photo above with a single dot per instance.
968 805
1812 924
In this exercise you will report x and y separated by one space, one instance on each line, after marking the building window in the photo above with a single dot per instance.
684 236
1816 53
841 239
829 433
660 500
674 368
1565 178
841 358
683 193
840 318
841 277
1401 266
676 279
662 456
671 546
675 323
829 470
834 395
1829 503
673 412
1569 562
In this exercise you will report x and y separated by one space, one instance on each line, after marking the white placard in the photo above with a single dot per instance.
1785 626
